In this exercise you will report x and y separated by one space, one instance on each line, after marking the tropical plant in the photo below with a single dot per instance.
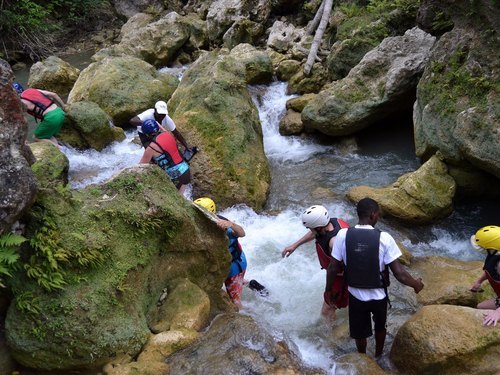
9 256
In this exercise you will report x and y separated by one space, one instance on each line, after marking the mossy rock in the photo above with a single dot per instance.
213 108
51 166
114 249
88 126
122 87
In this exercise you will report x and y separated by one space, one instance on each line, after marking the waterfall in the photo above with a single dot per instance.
305 171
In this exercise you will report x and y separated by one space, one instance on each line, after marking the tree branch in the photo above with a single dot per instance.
328 4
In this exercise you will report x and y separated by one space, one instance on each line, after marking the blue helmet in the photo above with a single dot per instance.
18 87
150 126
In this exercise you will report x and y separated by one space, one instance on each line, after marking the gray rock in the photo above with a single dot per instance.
283 36
53 74
223 13
17 183
383 83
236 344
122 87
457 109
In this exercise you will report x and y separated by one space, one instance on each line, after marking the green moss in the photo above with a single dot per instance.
451 82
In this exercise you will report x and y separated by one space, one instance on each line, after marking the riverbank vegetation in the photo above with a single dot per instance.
33 29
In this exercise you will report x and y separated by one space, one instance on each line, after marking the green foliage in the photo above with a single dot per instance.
27 302
9 244
451 80
51 257
29 25
442 22
381 7
351 10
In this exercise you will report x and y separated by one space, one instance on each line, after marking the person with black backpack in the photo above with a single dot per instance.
323 228
366 253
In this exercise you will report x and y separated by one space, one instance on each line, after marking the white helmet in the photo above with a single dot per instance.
315 216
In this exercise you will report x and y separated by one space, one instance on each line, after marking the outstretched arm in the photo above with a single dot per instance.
404 277
331 272
53 96
135 121
287 251
492 318
238 230
477 285
147 156
180 138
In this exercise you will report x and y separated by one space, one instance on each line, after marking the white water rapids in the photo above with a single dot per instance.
304 172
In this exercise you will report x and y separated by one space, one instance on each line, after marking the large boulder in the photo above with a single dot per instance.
382 84
129 8
108 253
258 65
446 339
236 344
53 74
213 108
447 281
88 126
156 43
17 182
122 87
457 109
51 166
418 197
223 13
361 30
283 36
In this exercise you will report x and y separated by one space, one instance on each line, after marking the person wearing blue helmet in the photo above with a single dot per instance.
160 114
46 106
162 150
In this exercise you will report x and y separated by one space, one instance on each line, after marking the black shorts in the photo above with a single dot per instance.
360 313
184 179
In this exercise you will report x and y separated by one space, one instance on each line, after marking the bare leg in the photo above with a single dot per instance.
182 189
379 342
488 305
328 312
52 140
361 345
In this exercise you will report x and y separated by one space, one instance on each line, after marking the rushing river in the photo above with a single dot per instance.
307 170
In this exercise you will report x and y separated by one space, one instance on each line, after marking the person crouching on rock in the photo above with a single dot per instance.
162 150
488 238
43 105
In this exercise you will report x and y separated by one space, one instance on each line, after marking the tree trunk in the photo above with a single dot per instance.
318 36
317 17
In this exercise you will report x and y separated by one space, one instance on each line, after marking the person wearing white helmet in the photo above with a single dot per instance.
366 253
160 114
488 239
323 229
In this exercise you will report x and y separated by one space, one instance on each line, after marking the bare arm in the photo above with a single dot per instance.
53 96
404 277
331 272
237 229
147 156
135 121
287 251
477 285
180 138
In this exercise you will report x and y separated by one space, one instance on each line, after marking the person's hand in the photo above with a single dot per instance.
328 298
491 318
223 224
476 288
420 286
287 251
